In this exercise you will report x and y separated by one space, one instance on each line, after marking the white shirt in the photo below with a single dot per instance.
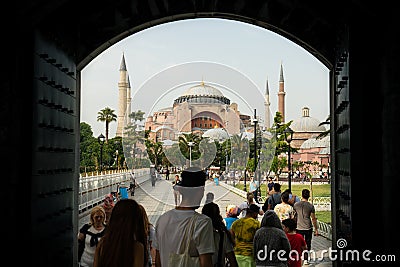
246 205
169 232
88 253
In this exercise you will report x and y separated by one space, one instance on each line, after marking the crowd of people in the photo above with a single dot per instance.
120 233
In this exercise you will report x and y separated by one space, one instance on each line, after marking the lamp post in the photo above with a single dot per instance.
255 121
190 144
101 140
245 171
289 137
226 161
116 155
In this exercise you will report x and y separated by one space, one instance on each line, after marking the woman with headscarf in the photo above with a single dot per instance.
232 213
108 205
271 246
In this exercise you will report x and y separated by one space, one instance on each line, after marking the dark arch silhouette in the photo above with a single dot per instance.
39 134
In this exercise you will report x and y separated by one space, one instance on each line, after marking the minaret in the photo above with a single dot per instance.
128 100
281 95
267 104
122 88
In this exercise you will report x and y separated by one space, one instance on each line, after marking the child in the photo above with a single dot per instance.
297 242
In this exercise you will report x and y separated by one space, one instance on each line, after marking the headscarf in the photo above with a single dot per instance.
232 211
108 201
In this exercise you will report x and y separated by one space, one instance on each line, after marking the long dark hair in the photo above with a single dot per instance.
212 210
126 226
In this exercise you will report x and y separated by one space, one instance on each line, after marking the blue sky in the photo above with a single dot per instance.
236 57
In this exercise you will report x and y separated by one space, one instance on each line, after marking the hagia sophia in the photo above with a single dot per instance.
203 110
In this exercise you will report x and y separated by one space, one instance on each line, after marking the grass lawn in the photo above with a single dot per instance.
318 190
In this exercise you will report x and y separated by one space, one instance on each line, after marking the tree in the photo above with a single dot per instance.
136 116
240 150
184 140
281 146
106 115
154 151
89 148
134 138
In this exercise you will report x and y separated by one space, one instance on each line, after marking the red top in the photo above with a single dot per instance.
297 243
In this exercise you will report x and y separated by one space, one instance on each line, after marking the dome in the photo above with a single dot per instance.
202 94
307 123
316 143
217 134
325 151
202 90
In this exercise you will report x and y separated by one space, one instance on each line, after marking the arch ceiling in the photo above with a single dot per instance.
311 24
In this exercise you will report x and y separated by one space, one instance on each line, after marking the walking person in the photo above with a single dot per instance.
222 237
133 184
243 231
177 195
167 174
297 242
292 198
254 189
172 225
284 210
243 207
232 213
273 199
124 242
108 206
270 186
270 245
306 219
89 236
150 232
153 175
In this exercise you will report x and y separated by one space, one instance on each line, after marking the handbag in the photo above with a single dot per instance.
184 259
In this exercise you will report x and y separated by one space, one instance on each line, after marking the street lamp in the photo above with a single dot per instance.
101 140
289 137
255 121
116 154
190 144
245 171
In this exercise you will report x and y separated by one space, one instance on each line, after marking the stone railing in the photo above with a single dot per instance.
92 189
325 229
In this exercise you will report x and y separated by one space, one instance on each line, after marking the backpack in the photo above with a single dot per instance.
273 203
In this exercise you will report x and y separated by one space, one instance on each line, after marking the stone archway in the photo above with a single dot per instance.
57 39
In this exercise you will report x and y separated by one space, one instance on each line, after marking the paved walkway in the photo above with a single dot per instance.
159 199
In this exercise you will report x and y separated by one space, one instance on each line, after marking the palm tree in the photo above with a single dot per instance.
184 140
106 115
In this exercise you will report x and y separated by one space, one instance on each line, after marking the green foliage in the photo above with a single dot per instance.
319 190
106 115
184 140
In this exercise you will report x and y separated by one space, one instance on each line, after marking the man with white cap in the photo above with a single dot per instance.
171 225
